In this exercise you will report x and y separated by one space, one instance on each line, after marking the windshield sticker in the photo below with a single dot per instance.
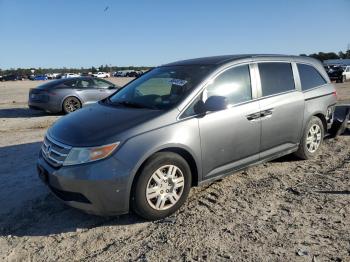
178 82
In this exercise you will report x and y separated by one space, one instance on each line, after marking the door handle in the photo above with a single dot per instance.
266 113
254 116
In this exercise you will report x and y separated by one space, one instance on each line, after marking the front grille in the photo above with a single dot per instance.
54 152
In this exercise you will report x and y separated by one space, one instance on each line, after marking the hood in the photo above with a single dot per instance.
99 124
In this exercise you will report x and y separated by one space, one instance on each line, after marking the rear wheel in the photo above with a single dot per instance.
70 104
162 187
312 139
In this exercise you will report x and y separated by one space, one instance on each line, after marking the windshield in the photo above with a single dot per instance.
162 87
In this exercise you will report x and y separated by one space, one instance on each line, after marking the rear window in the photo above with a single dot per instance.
276 78
309 77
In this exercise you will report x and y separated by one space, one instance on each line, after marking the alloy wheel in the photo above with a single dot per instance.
313 139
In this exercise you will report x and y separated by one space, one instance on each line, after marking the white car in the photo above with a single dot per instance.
346 74
101 75
70 75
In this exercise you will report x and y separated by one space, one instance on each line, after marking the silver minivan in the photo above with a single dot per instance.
184 124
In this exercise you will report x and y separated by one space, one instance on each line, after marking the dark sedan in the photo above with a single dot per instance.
68 95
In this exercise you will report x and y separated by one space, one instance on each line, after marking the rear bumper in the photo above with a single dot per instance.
50 106
100 188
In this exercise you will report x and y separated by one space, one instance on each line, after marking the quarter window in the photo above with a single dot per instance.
234 84
309 77
276 78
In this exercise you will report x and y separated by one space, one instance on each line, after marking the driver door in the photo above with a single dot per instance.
230 138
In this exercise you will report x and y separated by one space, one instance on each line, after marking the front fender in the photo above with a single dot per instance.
182 135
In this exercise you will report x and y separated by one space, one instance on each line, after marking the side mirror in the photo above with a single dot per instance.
215 103
112 87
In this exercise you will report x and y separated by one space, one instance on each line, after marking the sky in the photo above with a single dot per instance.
85 33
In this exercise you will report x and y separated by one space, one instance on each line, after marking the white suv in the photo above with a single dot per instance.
70 75
346 74
101 75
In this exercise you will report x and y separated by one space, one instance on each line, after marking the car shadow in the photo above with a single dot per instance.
346 132
333 192
23 112
27 206
294 158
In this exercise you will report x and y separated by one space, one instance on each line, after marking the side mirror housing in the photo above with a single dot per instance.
215 103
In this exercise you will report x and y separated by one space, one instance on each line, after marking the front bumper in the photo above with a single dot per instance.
100 188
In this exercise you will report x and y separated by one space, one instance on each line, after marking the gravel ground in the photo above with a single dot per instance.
284 210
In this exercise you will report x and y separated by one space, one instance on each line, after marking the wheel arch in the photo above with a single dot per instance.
178 150
322 117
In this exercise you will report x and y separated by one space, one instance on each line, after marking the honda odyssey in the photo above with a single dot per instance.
183 124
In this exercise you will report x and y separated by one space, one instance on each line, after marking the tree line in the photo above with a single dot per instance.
322 56
330 55
41 71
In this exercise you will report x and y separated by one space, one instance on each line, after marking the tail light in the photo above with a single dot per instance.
335 94
50 92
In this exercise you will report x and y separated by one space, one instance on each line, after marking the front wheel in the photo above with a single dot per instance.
162 187
312 139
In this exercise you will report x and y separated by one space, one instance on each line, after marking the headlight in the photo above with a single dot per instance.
80 155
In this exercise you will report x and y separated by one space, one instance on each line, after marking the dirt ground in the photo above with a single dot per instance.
284 210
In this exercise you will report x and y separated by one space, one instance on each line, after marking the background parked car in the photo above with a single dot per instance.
101 75
346 74
122 73
335 72
11 77
70 94
70 75
134 74
41 77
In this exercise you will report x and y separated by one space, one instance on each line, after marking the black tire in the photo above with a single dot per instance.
71 104
304 151
140 204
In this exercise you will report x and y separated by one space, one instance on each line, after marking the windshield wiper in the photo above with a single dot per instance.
133 104
127 104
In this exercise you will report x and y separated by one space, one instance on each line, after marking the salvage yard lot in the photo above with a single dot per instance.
284 210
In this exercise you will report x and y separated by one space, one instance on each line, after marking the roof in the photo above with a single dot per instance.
219 60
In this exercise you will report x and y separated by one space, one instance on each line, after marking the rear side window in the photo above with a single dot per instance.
309 77
234 84
276 78
71 83
86 83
